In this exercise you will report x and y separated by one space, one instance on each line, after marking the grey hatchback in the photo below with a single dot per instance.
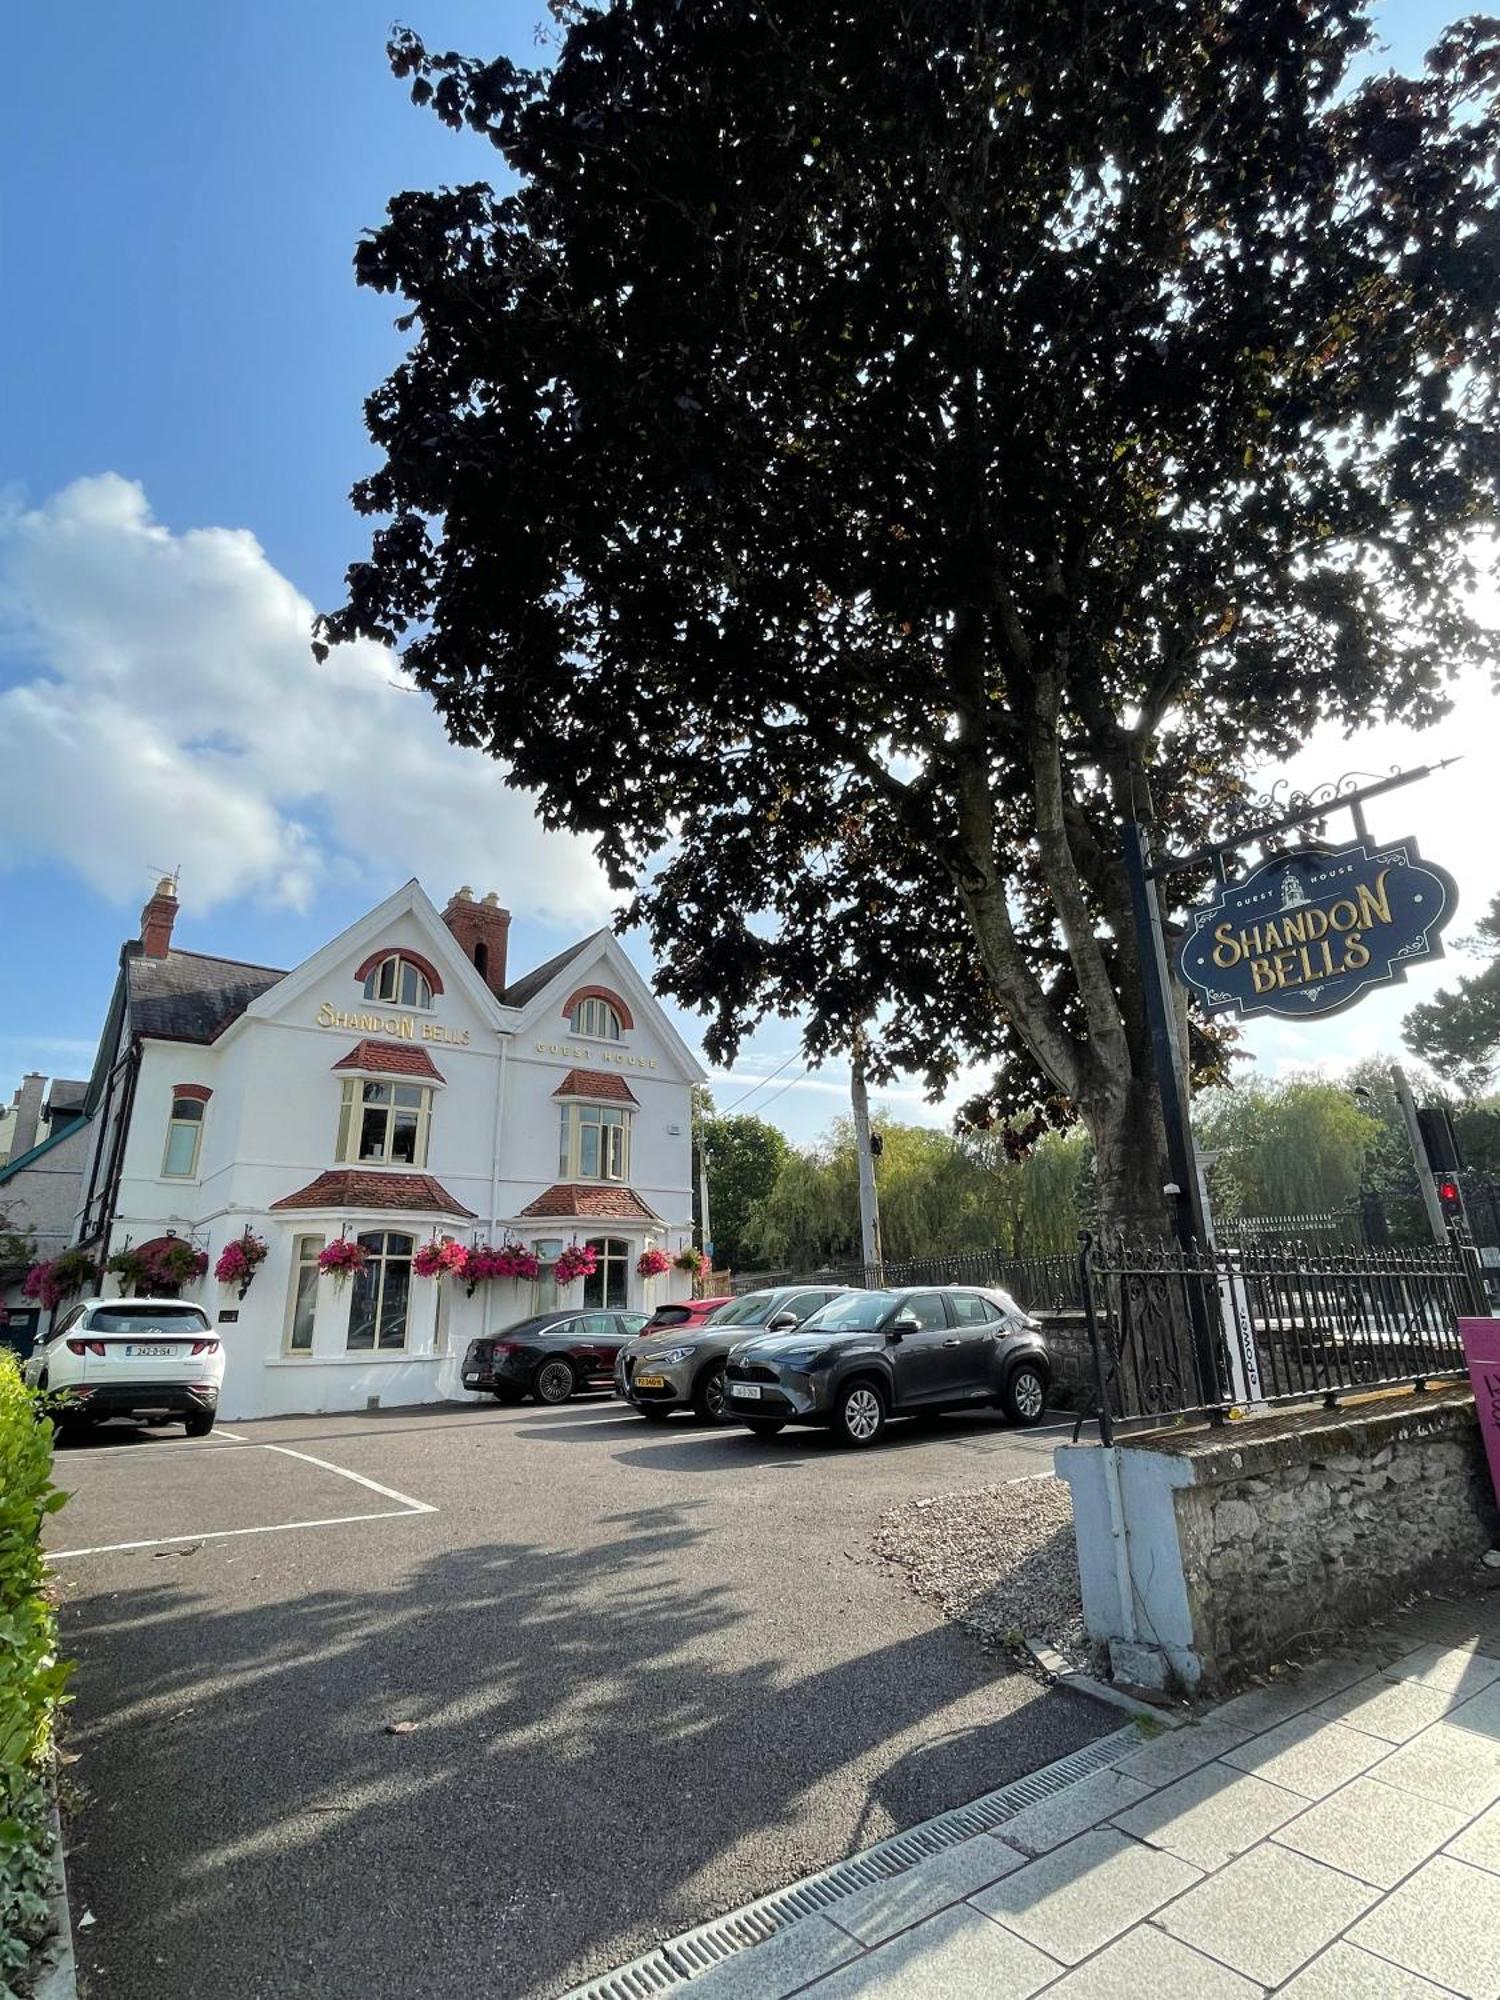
868 1356
683 1367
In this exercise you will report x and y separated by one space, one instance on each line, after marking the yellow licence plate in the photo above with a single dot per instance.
650 1381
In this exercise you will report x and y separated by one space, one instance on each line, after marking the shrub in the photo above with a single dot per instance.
32 1677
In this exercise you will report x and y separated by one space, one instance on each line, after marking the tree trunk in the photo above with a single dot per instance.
1131 1155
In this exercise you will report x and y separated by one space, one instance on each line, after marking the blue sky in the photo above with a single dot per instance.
184 357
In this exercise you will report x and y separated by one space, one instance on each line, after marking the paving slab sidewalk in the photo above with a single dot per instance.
1334 1836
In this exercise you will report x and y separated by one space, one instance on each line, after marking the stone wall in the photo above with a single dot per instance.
1320 1521
1072 1361
1206 1554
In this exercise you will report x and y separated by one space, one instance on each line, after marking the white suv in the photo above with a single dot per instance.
133 1358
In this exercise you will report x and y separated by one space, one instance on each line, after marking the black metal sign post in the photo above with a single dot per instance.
1189 1220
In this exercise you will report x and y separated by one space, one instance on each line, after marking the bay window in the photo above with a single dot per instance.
595 1143
304 1296
382 1292
383 1123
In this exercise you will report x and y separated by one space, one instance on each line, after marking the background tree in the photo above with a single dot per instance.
744 1155
1297 1147
870 440
17 1250
1458 1033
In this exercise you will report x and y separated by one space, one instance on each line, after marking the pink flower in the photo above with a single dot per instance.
577 1260
340 1258
439 1257
651 1263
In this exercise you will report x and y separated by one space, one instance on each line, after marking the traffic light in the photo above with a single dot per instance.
1450 1198
1439 1141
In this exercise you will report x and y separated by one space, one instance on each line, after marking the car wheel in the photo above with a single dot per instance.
708 1393
509 1398
765 1427
198 1423
859 1416
1025 1396
654 1413
555 1381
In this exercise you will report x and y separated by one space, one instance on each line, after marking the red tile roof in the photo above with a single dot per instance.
357 1187
568 1198
390 1059
596 1083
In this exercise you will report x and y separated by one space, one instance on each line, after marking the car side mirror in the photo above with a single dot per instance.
903 1324
782 1323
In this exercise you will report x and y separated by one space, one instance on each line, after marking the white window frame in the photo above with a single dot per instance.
421 984
612 1122
352 1109
596 1020
176 1122
305 1251
379 1261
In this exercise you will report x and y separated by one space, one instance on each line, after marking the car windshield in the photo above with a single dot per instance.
859 1311
148 1319
754 1309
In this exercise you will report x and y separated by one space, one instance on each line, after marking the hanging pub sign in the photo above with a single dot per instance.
1311 931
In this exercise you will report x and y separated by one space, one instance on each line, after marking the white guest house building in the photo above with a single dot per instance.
395 1089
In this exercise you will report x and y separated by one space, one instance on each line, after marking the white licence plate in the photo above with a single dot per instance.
147 1350
744 1389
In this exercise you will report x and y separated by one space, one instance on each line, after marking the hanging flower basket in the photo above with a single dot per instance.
340 1259
58 1278
440 1257
577 1260
239 1261
651 1263
129 1268
174 1262
485 1263
690 1260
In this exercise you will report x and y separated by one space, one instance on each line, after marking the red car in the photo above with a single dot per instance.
682 1312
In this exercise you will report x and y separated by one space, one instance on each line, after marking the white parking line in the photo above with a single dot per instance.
408 1506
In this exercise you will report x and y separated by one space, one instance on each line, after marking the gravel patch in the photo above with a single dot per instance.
998 1560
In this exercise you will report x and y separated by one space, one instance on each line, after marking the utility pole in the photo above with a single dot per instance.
1419 1158
869 1199
705 1230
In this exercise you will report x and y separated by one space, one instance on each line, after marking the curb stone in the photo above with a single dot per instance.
1059 1674
56 1977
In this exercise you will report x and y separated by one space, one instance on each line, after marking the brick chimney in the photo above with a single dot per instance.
483 932
27 1105
158 918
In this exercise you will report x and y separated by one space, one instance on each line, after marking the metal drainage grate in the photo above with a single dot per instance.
682 1958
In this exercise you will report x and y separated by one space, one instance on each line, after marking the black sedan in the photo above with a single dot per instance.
550 1356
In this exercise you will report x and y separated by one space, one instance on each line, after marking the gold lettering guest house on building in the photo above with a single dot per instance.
397 1089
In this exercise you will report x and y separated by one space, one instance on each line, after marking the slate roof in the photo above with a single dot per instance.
567 1198
356 1187
596 1083
66 1095
188 997
390 1059
527 989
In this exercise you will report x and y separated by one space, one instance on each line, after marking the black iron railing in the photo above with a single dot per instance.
1287 1322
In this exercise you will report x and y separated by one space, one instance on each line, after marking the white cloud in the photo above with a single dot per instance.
169 711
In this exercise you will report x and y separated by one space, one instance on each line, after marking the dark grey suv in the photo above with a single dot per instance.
872 1355
683 1367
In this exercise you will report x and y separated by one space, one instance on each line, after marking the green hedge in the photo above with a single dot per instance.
32 1677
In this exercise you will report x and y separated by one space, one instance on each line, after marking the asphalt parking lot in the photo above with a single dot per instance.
652 1673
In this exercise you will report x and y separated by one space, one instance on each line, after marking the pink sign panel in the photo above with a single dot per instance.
1481 1338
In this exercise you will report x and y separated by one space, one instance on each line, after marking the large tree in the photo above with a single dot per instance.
744 1156
870 440
1458 1033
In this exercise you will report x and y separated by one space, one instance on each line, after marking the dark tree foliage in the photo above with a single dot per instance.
872 432
1458 1033
744 1155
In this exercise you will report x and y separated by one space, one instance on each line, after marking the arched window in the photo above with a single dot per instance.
399 982
596 1019
382 1290
609 1283
184 1135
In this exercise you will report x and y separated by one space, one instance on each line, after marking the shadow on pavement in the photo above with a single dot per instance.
582 1777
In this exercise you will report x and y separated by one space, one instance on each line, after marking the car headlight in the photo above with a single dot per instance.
675 1354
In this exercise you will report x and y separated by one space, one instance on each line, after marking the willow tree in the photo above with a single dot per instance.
858 439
